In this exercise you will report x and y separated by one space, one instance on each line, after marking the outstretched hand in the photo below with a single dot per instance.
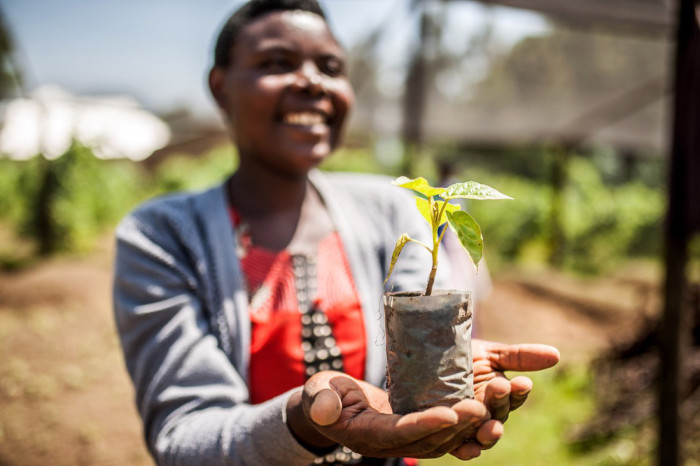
336 408
356 414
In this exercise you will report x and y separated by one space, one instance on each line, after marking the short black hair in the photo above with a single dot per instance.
250 12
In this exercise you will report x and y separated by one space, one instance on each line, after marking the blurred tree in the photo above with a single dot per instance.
420 74
10 74
76 196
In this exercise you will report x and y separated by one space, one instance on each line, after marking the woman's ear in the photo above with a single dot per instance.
217 77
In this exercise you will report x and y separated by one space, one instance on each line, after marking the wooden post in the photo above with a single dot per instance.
682 219
418 80
415 90
561 156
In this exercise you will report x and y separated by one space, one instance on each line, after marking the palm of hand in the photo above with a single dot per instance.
367 425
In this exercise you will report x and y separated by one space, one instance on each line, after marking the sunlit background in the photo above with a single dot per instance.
105 104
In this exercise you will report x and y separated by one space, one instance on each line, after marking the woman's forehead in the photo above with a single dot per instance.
290 24
305 21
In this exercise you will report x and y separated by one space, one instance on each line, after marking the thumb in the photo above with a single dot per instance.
325 407
321 402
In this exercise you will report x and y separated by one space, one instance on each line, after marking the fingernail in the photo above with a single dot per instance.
325 408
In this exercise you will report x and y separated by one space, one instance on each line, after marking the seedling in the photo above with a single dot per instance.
434 206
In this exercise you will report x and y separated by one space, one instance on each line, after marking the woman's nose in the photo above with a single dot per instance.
310 79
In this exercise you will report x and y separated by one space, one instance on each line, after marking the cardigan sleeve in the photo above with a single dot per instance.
192 401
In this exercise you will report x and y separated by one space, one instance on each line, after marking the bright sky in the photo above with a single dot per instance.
159 50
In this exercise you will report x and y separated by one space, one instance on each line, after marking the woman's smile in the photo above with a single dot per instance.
312 124
307 118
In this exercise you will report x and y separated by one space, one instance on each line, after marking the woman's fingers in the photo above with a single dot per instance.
523 357
346 411
486 437
489 433
491 359
342 408
413 424
503 396
520 387
497 398
384 435
410 434
471 411
467 451
470 415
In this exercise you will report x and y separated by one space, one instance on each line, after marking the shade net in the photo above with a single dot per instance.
478 75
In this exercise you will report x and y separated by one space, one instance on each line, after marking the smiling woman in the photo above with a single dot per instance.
285 92
248 313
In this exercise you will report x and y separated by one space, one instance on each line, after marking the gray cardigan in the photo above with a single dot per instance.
181 312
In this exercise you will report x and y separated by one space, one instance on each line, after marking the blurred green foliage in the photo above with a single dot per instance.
183 172
603 224
72 198
604 221
63 205
354 160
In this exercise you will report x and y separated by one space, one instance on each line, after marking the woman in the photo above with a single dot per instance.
249 313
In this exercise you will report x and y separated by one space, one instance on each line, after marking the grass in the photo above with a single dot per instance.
536 434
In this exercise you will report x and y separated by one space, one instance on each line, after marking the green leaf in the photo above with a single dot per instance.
449 208
419 186
473 190
403 239
469 234
424 208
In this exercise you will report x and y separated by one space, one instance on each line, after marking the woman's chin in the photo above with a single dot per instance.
321 153
313 157
300 165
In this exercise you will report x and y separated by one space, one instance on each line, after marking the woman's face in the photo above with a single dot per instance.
286 92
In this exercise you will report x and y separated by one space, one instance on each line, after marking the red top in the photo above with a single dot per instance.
276 355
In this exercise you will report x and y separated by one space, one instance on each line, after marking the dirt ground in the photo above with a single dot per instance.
65 398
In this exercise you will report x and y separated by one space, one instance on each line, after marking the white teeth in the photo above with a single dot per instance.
304 118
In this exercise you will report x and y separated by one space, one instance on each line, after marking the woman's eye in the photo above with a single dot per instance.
333 67
276 64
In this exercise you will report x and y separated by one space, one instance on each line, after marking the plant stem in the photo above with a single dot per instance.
436 241
431 278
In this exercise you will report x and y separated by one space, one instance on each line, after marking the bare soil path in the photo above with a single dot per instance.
65 398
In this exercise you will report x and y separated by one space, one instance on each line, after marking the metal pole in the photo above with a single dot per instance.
684 156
